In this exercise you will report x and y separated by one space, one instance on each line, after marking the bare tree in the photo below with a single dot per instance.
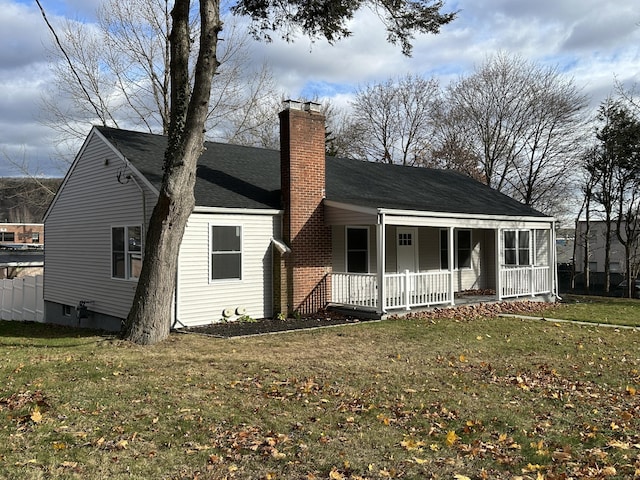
391 121
452 148
520 121
590 178
117 73
602 166
25 199
149 319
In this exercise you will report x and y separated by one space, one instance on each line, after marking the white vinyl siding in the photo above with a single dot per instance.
78 254
202 301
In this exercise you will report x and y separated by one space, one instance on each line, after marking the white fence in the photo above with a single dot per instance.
520 281
22 299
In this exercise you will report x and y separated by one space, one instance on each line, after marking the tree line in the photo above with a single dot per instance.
512 124
610 186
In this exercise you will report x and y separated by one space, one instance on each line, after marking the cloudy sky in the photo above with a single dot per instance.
594 42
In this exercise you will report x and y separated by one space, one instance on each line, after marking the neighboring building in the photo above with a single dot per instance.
21 249
287 231
596 259
21 235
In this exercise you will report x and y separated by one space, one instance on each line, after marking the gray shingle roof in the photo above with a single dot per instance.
247 177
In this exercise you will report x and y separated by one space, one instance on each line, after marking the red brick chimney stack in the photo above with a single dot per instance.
302 168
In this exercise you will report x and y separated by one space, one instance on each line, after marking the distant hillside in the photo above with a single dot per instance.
25 200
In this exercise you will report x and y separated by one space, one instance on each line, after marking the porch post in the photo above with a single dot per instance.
498 264
533 260
381 260
553 265
451 266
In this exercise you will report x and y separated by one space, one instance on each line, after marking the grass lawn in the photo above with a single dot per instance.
450 399
609 310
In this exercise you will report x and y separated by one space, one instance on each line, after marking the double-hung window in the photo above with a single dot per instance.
444 249
462 249
226 252
126 252
358 250
517 247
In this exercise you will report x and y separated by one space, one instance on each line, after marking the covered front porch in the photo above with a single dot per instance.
390 260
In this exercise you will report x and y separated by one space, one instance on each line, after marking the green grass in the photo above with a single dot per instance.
418 398
607 310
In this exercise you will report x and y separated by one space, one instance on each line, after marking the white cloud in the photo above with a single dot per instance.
593 42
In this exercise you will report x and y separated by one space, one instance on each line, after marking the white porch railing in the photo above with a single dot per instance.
402 290
355 289
411 289
520 281
22 299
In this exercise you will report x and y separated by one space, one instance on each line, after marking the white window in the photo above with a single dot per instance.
126 252
357 249
517 247
226 252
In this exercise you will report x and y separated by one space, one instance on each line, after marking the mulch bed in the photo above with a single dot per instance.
271 325
330 318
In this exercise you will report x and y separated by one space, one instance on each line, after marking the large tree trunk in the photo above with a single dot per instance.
149 320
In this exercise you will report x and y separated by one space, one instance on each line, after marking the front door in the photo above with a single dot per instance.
407 249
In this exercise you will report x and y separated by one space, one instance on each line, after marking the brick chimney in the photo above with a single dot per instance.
304 286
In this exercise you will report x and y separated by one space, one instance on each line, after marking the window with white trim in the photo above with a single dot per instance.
444 249
357 249
126 252
226 252
517 247
463 249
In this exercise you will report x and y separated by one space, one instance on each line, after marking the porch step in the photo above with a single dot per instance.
359 312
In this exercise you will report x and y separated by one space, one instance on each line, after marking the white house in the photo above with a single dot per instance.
286 231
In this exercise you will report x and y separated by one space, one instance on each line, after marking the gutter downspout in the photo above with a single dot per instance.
144 207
